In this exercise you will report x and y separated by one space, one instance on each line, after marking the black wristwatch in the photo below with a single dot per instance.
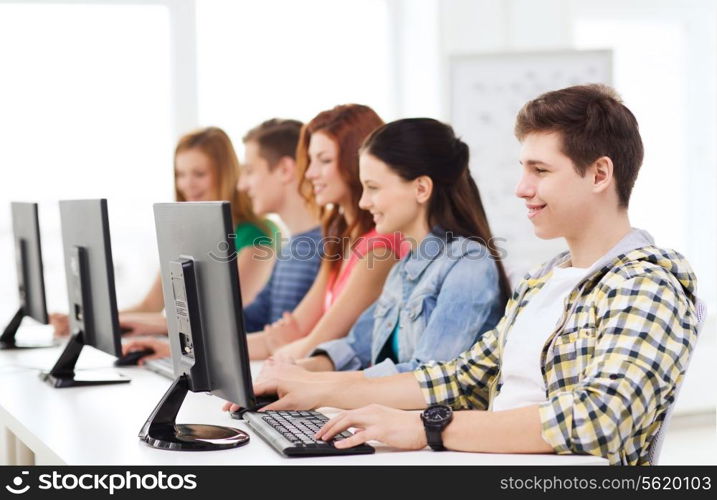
436 418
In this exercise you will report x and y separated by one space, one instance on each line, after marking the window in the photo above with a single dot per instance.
288 59
85 99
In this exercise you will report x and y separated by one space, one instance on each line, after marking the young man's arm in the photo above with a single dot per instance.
300 389
509 431
461 383
317 363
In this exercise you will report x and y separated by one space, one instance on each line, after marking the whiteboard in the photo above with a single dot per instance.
486 93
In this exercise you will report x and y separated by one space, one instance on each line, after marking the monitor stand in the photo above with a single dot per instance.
63 373
7 339
161 430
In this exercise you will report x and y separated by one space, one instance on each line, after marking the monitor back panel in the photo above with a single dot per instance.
26 231
85 223
203 231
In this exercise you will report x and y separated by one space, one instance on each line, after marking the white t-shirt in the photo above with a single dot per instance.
523 383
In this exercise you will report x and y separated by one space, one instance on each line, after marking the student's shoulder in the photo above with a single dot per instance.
306 245
651 263
249 233
460 250
649 272
462 245
245 229
313 234
466 260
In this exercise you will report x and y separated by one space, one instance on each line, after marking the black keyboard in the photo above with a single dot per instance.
291 433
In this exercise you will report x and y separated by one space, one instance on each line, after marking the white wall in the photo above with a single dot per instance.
85 114
677 199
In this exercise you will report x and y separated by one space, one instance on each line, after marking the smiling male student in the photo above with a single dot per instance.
593 343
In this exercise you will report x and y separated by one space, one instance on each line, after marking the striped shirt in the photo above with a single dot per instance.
296 267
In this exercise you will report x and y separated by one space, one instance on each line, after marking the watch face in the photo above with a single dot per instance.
437 414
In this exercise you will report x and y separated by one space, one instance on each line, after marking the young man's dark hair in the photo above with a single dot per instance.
276 138
593 122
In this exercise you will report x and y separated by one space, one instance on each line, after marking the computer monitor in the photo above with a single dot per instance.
30 277
204 320
90 290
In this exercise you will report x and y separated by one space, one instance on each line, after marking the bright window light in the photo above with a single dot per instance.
289 59
85 100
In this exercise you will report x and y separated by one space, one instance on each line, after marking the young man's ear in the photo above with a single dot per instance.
602 171
424 188
286 169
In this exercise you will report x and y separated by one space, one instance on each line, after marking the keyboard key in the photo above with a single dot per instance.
299 429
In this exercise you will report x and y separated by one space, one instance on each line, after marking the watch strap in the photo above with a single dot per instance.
434 438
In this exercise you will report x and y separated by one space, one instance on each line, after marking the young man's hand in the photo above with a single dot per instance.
397 428
274 368
275 373
229 406
282 332
292 352
297 388
60 323
160 347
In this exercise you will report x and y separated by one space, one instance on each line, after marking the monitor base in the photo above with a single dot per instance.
61 382
63 373
195 437
161 430
7 339
7 346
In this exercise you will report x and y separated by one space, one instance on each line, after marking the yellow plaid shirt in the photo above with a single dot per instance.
610 367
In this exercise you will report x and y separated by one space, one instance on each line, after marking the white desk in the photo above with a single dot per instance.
99 425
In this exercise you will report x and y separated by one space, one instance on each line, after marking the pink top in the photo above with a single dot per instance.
369 242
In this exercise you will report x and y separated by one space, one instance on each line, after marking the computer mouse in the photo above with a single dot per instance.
132 357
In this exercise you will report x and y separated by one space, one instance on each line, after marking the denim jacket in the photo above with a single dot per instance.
443 295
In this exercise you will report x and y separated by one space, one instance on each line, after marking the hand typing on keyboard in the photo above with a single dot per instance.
292 433
297 388
301 426
398 428
274 370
